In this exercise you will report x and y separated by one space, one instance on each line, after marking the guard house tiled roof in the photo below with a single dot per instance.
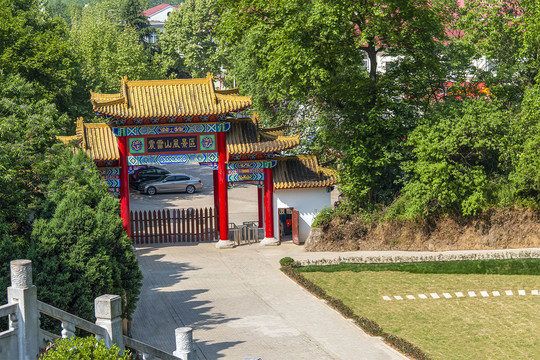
97 140
246 137
303 171
167 98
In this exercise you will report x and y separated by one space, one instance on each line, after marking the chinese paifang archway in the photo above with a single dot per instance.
187 121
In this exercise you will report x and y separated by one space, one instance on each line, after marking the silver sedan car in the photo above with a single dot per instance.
171 183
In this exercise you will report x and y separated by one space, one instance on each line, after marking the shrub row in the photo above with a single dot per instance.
499 267
369 326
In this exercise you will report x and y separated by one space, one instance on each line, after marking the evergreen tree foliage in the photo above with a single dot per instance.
56 211
129 13
79 248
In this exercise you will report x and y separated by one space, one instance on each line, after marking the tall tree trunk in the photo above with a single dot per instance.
372 56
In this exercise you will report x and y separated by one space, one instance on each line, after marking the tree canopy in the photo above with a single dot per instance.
189 42
107 52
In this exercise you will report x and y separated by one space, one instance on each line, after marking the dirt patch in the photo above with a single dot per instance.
494 229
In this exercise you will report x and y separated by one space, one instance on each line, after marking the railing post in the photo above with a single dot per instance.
23 292
108 311
68 329
184 344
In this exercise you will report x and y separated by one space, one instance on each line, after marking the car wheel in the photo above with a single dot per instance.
151 190
190 189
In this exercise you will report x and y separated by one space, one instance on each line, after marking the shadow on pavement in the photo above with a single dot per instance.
163 306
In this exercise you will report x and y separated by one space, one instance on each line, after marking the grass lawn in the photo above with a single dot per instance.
505 327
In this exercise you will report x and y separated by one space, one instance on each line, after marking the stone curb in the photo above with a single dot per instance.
444 256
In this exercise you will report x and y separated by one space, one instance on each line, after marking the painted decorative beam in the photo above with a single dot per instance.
172 159
171 129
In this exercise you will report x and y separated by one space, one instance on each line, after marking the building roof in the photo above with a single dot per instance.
233 91
97 140
167 98
246 137
302 171
155 9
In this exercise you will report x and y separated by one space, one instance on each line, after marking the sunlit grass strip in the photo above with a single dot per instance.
457 328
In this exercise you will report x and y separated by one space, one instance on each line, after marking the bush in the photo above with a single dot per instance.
458 158
82 348
287 261
323 217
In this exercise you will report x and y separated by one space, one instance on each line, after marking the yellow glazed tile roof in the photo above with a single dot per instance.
168 98
302 171
276 130
233 91
97 140
245 137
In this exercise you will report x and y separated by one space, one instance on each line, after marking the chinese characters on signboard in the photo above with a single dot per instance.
163 144
181 144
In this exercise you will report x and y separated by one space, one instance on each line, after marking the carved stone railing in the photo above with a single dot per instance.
70 322
24 337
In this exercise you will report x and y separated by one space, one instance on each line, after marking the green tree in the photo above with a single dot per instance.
458 165
524 151
78 246
500 33
105 52
314 53
37 48
27 156
189 42
129 13
52 200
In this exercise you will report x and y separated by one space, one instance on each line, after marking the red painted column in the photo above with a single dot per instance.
260 206
216 190
124 184
222 193
268 204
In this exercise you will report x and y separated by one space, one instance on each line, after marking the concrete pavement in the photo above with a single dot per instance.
241 306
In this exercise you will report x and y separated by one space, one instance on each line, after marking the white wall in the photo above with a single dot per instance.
162 15
307 201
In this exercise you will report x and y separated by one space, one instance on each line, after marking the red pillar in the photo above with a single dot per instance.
260 206
216 189
269 208
124 185
222 193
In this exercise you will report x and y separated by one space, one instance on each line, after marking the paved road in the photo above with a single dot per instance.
242 199
241 307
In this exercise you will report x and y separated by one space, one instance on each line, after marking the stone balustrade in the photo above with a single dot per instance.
24 337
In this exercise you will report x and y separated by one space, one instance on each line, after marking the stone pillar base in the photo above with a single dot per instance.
270 241
225 244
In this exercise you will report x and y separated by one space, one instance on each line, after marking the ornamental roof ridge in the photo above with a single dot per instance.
246 137
167 99
234 91
96 139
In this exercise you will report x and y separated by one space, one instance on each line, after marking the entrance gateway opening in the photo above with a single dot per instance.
181 121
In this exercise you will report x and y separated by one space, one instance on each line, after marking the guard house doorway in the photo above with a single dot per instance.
288 225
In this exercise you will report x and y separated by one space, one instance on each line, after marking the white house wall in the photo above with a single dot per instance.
161 15
308 202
